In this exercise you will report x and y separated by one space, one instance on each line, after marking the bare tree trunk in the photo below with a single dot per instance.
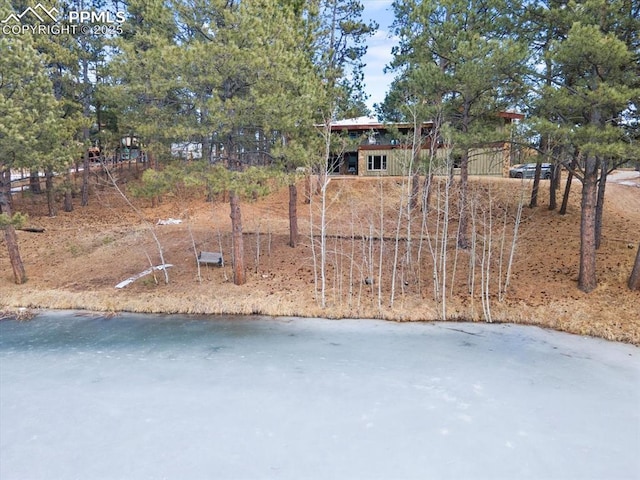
426 191
463 238
86 111
415 191
10 237
555 173
381 243
51 203
516 226
415 162
600 204
307 189
443 248
323 239
554 184
536 185
84 201
410 184
34 182
144 221
634 278
68 193
293 215
567 189
239 277
587 277
153 163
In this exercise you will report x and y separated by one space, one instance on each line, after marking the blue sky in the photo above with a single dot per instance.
379 49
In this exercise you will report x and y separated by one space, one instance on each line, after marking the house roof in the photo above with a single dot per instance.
348 122
369 123
511 115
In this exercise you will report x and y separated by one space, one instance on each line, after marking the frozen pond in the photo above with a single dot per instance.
153 397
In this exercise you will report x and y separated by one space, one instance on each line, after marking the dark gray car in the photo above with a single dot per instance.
528 170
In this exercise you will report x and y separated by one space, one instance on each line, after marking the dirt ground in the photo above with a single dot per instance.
80 257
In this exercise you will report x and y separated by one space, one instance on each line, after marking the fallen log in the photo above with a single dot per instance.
132 279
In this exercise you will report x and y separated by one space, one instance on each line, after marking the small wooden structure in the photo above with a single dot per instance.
210 258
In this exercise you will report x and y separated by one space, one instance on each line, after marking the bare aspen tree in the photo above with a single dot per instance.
195 252
413 185
323 237
149 226
153 270
352 260
434 133
445 238
485 271
226 277
380 243
337 272
257 265
370 279
320 260
432 244
312 243
514 240
437 241
471 283
503 237
456 252
405 191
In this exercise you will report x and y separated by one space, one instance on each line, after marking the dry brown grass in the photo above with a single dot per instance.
76 263
20 314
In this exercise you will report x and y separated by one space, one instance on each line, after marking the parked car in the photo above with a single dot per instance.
528 170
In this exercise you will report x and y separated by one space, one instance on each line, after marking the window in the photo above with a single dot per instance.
377 162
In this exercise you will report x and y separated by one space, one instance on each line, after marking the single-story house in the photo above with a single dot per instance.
372 148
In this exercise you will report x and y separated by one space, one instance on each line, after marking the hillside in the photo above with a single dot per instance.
82 255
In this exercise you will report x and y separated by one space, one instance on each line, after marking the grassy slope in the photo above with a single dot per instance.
82 255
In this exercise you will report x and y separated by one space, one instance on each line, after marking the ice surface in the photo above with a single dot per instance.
153 397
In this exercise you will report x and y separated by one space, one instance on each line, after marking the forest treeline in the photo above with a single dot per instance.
256 85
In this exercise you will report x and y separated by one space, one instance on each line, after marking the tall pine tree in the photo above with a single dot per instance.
595 89
463 59
31 131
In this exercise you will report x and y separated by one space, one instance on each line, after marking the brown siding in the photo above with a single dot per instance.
397 162
485 161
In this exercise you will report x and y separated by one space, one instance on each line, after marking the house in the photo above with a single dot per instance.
186 150
365 147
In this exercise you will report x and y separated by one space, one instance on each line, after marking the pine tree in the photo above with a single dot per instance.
244 89
31 133
339 43
464 59
141 83
596 86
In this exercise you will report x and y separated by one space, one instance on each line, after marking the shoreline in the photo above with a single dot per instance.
26 313
80 257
